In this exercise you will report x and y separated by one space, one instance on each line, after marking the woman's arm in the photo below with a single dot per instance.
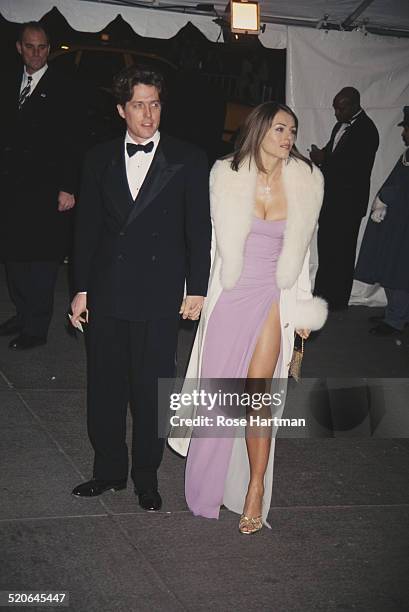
311 312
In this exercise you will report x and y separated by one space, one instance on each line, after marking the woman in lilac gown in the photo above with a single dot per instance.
265 202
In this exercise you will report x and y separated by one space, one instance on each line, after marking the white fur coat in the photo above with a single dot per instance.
232 206
232 198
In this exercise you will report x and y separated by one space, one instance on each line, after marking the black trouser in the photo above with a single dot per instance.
336 242
125 359
31 287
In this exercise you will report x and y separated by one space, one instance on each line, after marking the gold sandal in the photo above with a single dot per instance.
249 525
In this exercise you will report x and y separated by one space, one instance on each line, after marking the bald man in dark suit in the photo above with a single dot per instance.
346 162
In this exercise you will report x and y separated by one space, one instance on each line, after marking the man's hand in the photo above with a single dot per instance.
304 333
379 210
78 307
66 201
317 155
191 307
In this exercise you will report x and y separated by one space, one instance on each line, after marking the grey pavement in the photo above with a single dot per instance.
339 513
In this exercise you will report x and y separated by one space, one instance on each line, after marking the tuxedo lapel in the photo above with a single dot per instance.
348 133
159 174
115 183
343 140
16 89
333 134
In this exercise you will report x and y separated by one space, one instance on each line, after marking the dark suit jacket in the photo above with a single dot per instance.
132 257
347 169
39 156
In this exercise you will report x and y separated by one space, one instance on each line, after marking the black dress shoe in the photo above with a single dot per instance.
150 501
94 487
25 341
10 327
383 329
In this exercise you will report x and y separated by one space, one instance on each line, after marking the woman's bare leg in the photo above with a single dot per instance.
262 366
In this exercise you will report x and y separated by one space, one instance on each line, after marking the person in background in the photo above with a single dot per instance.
346 162
39 169
384 254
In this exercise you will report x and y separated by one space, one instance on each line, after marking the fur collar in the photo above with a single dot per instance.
232 196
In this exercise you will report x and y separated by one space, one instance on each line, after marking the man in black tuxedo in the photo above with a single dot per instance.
346 162
143 230
39 175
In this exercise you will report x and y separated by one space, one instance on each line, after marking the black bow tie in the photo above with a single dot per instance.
131 148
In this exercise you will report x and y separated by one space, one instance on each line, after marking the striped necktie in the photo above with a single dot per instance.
25 92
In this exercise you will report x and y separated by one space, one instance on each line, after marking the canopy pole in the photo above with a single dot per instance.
353 16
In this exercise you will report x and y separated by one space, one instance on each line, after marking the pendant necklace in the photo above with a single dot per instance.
264 190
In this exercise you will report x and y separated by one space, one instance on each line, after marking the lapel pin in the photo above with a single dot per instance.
43 95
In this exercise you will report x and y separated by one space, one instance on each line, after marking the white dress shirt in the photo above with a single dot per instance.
138 165
36 76
342 129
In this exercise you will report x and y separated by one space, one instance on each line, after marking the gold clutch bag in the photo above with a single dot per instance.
295 364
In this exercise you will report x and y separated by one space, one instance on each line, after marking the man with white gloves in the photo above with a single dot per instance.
384 254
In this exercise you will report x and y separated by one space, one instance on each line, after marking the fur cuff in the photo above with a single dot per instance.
311 314
179 445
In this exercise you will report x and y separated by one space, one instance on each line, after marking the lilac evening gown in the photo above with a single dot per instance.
232 333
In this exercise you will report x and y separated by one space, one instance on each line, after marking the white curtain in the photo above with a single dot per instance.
319 64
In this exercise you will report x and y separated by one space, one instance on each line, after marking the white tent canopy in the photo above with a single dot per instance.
89 16
393 14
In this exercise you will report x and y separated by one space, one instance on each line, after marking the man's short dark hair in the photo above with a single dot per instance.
32 25
125 81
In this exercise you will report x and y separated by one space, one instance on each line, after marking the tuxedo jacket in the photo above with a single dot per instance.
133 257
40 152
347 169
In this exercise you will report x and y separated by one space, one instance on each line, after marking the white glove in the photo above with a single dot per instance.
379 210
